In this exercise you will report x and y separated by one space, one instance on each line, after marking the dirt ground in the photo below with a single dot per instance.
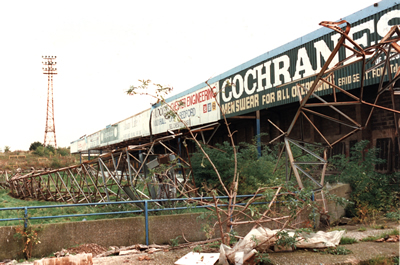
362 251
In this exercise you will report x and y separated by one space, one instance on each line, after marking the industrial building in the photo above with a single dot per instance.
262 96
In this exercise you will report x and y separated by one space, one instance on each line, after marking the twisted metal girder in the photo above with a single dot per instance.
118 175
389 49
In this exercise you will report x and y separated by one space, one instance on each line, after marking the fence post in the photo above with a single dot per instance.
146 220
26 218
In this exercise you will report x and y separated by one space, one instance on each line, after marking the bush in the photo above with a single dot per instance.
253 170
63 151
371 191
35 145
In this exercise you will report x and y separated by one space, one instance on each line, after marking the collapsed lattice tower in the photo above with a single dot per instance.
50 129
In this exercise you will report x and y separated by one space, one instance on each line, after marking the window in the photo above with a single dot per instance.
385 152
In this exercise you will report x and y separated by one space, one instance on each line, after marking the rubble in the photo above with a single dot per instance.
80 259
261 239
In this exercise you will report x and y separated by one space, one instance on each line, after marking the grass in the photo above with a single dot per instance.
339 250
378 226
362 229
336 228
378 260
373 238
348 240
7 201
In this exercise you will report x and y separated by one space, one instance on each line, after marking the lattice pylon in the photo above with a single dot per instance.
50 129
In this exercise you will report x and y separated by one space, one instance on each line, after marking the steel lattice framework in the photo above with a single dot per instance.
50 129
119 175
370 58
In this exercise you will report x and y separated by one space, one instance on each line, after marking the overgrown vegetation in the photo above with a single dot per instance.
339 250
372 192
37 157
382 260
29 237
348 240
393 232
254 171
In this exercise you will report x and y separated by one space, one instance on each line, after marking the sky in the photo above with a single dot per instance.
104 47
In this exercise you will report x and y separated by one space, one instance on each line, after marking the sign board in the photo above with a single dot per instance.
135 126
272 81
196 108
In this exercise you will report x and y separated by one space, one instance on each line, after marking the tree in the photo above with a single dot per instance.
7 149
35 145
63 151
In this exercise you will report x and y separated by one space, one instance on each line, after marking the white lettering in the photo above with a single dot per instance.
251 72
237 86
223 92
284 70
363 40
383 27
322 50
303 64
266 76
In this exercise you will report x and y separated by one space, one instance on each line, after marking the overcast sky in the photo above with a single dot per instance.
103 47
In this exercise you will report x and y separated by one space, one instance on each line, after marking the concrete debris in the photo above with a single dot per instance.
261 240
389 238
80 259
129 252
134 249
198 258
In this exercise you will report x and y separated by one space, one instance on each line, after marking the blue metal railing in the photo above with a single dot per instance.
146 209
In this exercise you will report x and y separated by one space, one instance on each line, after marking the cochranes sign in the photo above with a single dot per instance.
271 82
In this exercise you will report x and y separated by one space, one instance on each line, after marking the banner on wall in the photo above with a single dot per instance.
271 81
196 108
135 126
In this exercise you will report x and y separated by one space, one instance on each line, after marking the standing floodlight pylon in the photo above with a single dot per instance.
50 129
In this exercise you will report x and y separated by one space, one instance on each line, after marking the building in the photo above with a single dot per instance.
263 95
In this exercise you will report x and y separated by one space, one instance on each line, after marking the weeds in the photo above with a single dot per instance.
198 249
393 216
339 250
379 260
378 226
262 258
174 242
383 235
30 238
215 244
285 240
348 241
336 229
372 192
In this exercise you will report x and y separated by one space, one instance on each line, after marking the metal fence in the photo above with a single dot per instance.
143 206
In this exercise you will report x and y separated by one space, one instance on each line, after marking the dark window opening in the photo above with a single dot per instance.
396 155
384 146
